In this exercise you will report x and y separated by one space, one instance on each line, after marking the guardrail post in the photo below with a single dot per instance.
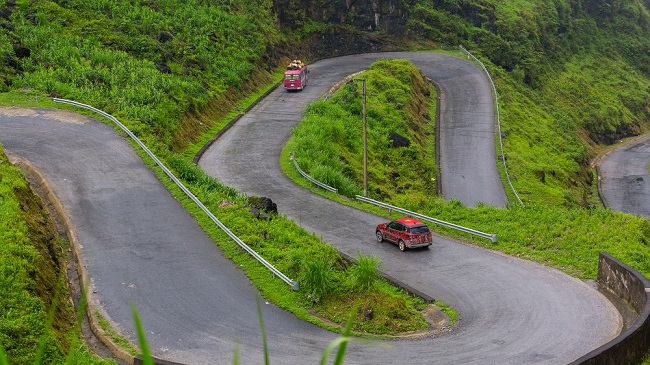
295 286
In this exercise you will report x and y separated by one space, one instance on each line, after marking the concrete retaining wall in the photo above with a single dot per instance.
631 346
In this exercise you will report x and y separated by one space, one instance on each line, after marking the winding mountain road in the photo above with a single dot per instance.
246 157
141 247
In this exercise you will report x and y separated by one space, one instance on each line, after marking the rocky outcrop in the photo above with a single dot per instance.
388 16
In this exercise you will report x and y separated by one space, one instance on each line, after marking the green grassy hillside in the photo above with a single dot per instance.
328 144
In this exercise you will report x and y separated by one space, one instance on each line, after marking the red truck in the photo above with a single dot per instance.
295 77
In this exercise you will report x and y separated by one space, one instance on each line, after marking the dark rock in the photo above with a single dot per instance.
261 207
164 37
368 313
163 68
5 13
21 51
398 140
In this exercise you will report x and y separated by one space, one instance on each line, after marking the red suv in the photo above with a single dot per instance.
405 232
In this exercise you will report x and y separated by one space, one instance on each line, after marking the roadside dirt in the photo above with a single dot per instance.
438 323
60 115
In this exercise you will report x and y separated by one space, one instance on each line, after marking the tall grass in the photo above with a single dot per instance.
316 279
366 272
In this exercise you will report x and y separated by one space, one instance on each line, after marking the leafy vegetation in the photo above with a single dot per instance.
553 132
572 78
155 65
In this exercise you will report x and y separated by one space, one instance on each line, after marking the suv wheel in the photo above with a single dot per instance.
380 237
401 245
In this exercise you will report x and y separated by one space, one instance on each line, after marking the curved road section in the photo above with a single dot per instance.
141 248
512 311
624 178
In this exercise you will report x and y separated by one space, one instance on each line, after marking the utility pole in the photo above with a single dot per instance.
365 143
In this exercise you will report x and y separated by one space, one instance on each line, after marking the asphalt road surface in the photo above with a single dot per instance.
142 248
624 178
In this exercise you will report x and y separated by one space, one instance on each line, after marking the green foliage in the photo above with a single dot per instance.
192 174
546 158
113 54
603 95
567 238
552 132
3 356
571 76
320 269
374 311
535 37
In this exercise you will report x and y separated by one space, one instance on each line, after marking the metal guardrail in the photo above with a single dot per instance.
491 237
294 284
496 102
304 174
